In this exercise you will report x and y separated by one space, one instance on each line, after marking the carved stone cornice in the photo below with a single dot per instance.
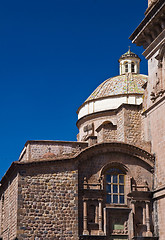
155 45
140 196
151 26
93 195
160 101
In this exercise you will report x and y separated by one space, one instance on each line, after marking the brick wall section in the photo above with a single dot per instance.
36 149
132 124
107 133
48 202
129 127
8 211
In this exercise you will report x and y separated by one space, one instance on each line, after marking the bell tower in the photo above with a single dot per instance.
129 63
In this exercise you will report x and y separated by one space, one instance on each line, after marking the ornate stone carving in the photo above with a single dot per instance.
159 87
139 179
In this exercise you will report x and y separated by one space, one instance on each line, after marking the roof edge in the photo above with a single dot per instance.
136 151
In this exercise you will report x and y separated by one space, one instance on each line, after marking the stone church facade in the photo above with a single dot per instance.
151 35
110 183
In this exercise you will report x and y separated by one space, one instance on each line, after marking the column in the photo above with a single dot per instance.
100 217
133 206
105 221
148 233
129 67
144 214
136 68
120 68
97 217
85 219
131 225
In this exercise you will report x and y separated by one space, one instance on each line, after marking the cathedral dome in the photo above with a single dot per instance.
119 85
126 88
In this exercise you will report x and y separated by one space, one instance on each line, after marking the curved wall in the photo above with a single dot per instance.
108 103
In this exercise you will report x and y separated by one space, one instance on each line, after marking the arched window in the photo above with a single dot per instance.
132 67
126 66
115 179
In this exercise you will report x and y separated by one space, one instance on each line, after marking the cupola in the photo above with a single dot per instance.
99 116
129 63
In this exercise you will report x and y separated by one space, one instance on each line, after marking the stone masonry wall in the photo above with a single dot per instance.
161 218
129 127
107 133
48 201
132 125
156 128
97 121
120 126
36 149
8 210
138 169
91 169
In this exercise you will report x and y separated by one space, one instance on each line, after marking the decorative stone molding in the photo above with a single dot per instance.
117 147
159 87
111 165
152 25
88 130
94 185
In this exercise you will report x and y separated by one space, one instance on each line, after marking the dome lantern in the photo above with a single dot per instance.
129 63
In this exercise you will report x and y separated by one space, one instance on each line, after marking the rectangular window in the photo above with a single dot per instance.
115 188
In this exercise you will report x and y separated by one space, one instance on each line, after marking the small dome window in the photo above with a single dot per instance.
132 67
126 67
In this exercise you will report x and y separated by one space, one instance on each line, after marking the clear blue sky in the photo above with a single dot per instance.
53 54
